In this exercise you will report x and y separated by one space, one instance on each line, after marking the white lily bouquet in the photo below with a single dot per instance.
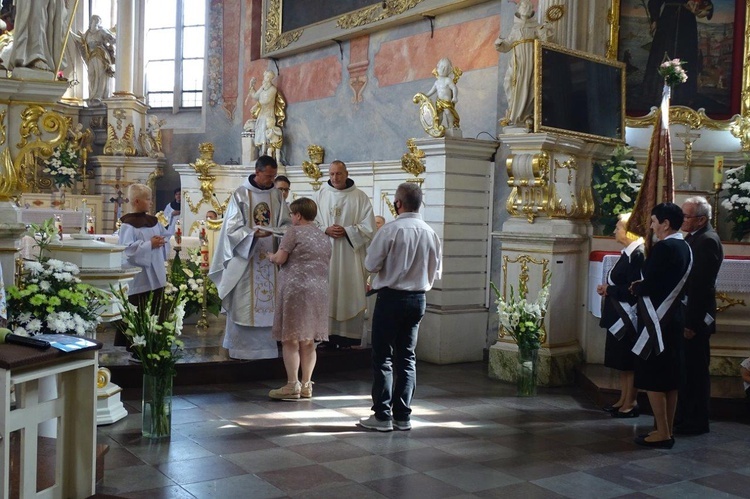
522 319
154 330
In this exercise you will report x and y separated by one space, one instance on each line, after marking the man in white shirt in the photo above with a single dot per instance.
406 256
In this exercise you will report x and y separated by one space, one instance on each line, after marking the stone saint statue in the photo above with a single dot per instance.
269 114
38 34
519 78
97 48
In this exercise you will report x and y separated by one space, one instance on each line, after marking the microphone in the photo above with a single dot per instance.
6 336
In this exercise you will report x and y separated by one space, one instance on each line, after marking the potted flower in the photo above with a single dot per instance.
737 201
522 320
62 166
187 277
155 329
50 298
616 183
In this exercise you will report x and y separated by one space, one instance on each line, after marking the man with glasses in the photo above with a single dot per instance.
283 185
700 316
244 277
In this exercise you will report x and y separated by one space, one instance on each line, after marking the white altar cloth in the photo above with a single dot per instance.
734 276
29 253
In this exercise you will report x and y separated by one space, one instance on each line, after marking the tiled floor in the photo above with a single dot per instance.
472 438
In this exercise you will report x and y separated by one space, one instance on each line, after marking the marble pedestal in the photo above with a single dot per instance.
549 232
457 195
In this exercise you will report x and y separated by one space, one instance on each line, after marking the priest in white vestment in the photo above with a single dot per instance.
345 214
245 279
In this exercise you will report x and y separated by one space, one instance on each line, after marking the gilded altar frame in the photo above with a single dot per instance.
277 41
740 62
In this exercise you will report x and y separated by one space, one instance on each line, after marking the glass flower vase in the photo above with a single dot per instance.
526 377
157 406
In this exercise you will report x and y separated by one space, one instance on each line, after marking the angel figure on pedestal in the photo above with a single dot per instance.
431 115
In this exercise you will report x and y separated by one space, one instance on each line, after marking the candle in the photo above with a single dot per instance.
90 225
83 217
718 169
59 227
178 234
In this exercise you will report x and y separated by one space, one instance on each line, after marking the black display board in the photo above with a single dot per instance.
300 13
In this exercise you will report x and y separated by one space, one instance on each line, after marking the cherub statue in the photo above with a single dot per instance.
432 115
447 92
269 111
518 83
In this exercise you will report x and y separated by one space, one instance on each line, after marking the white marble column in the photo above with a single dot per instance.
125 47
457 196
566 28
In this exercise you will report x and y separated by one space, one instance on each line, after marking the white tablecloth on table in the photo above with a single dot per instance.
734 277
28 251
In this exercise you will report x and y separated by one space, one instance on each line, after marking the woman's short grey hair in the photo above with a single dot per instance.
702 206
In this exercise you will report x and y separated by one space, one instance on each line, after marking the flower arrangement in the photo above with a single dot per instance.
62 166
737 201
672 72
187 277
521 318
616 183
50 297
154 330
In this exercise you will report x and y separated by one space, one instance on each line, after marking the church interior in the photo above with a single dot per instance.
513 116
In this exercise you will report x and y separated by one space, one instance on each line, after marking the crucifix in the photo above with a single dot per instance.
119 199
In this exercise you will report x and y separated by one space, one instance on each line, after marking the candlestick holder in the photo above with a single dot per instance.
715 217
203 321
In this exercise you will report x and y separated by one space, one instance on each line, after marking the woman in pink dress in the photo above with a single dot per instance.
301 316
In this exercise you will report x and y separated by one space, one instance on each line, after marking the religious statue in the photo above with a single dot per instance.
432 115
269 114
97 48
151 139
519 78
39 30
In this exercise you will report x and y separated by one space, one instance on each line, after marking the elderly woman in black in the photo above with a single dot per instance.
618 317
661 321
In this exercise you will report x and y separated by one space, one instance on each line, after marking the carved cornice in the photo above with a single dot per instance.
376 13
274 38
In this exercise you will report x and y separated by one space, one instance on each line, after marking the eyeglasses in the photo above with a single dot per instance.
283 189
693 216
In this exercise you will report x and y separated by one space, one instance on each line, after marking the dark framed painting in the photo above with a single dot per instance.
708 35
293 26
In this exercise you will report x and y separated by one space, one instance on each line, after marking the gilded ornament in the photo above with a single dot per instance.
274 38
413 161
387 200
529 197
311 168
2 127
103 375
613 19
203 166
375 13
36 119
155 174
555 13
728 301
523 279
120 146
8 176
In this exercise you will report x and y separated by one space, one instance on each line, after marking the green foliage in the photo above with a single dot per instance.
187 277
737 200
616 183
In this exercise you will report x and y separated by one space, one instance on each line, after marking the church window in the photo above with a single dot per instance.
174 50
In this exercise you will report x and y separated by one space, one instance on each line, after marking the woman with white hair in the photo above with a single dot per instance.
619 319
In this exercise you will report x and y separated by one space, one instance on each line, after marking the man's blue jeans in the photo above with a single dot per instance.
395 324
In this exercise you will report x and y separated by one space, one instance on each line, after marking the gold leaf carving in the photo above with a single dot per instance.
274 38
376 13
